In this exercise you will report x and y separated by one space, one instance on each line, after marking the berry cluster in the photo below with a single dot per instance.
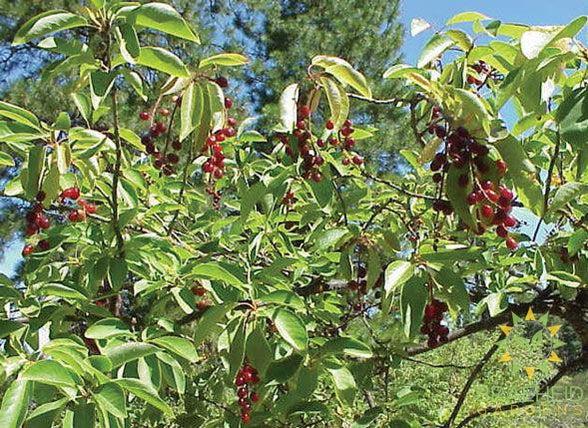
483 72
308 148
358 286
432 326
37 220
289 199
246 376
158 148
470 157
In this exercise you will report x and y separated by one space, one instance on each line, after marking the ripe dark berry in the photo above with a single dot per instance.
316 177
320 143
301 124
44 245
42 221
144 115
346 161
28 250
329 125
228 103
173 158
488 185
222 82
348 123
501 231
440 131
146 139
176 145
437 177
254 397
160 127
472 198
357 160
41 196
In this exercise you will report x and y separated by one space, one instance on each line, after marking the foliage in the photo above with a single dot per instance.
179 266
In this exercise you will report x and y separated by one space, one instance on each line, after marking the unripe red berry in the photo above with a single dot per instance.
218 173
164 112
71 193
487 211
506 193
357 160
511 244
28 250
300 124
488 185
316 177
242 392
501 166
346 161
348 123
231 121
42 221
228 103
245 417
303 112
330 125
144 115
510 221
492 195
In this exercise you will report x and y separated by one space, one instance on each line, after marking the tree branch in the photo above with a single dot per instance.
580 363
554 157
398 187
469 383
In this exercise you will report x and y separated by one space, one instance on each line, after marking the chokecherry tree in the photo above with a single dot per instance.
195 272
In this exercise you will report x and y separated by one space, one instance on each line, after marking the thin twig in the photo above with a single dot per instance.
398 187
554 157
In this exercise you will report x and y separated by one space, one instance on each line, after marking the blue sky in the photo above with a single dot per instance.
533 12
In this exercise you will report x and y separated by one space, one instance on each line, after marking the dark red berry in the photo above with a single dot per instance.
222 82
501 231
71 193
44 245
501 166
41 196
487 211
228 103
144 115
329 125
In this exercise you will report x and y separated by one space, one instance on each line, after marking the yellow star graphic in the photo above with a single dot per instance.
505 358
530 372
530 315
506 329
554 358
554 329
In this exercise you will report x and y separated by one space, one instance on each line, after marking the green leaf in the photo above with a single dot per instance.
453 289
344 73
322 191
258 350
19 115
413 299
117 273
397 273
9 326
212 316
434 48
288 108
348 346
47 23
145 393
164 18
345 386
83 105
101 82
338 101
128 42
213 271
329 238
577 241
283 297
49 372
108 327
284 368
135 80
15 403
111 397
61 290
179 346
237 348
191 110
6 159
63 122
291 328
225 59
35 166
83 415
566 194
122 354
572 116
162 60
44 415
467 17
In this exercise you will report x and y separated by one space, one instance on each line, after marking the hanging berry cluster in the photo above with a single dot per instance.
482 74
246 376
214 166
493 202
432 323
309 148
37 220
157 147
